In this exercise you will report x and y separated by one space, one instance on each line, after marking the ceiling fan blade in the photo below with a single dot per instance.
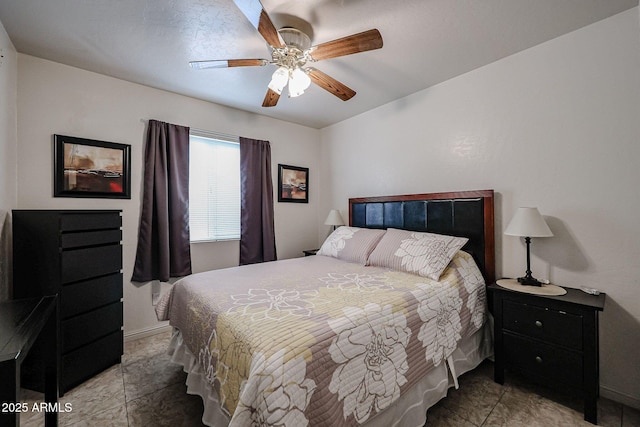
330 84
270 99
361 42
227 63
255 13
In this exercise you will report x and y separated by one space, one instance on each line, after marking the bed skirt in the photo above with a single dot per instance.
409 410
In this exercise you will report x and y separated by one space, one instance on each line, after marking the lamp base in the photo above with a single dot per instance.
529 281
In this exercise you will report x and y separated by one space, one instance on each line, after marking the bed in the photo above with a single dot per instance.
371 331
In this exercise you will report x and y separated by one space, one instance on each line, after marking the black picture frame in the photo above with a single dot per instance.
91 168
293 184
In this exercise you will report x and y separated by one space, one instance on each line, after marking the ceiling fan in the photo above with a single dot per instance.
291 51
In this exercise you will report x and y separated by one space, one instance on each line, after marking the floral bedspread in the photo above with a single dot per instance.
319 341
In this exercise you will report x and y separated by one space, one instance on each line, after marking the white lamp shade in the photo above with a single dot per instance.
527 222
334 218
279 80
298 83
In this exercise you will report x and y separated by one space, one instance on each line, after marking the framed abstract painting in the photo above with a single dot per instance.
90 168
293 184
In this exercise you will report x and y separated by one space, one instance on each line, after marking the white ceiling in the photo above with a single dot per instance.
425 42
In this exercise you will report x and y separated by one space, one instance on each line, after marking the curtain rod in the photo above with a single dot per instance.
208 133
215 135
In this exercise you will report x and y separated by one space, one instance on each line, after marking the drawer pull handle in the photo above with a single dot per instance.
538 359
538 324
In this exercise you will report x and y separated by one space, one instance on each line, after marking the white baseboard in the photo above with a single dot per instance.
147 332
616 396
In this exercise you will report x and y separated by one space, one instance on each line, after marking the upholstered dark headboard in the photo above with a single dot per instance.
463 213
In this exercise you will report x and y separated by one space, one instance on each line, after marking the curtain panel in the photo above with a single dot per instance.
163 238
257 231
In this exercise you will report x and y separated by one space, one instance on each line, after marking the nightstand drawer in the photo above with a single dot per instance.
552 326
544 360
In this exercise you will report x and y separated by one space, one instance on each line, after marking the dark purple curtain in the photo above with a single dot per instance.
257 235
163 238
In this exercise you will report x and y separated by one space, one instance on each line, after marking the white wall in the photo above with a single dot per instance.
57 99
556 126
8 142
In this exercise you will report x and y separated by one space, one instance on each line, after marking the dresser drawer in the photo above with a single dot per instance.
87 361
548 325
90 238
85 328
545 361
81 264
90 294
92 221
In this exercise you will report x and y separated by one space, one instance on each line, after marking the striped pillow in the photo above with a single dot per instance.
425 254
351 244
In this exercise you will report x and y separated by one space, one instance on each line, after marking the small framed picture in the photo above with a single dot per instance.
90 168
293 184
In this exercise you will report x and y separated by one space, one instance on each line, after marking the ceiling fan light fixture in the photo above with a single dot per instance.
298 83
279 80
291 50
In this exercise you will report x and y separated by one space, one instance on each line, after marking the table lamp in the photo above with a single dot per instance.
528 223
334 218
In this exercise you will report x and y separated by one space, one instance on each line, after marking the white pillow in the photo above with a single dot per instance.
352 244
425 254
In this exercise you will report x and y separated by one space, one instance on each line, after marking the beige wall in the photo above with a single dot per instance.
8 142
557 127
54 98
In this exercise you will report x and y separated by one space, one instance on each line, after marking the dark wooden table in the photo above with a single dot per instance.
22 323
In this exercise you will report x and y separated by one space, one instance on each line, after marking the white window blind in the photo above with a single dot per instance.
214 187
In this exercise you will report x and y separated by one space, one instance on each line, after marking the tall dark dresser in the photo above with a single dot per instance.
76 254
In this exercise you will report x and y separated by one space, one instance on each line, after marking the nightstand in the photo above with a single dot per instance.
310 252
551 339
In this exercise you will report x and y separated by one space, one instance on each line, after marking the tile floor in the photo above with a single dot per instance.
146 389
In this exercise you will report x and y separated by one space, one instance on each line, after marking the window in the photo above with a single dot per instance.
214 187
